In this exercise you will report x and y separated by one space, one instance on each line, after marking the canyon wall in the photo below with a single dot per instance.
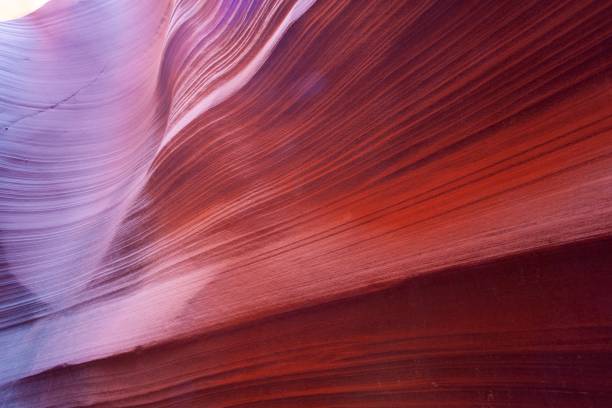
285 203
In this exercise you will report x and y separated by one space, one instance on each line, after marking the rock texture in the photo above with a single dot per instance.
306 203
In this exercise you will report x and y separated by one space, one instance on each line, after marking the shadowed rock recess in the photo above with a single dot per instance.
306 203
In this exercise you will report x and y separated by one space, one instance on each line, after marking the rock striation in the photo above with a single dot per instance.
300 203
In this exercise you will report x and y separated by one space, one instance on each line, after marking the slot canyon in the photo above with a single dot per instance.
306 203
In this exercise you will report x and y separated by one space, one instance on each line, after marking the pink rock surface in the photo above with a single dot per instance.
174 170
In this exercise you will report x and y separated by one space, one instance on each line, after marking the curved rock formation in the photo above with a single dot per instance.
306 203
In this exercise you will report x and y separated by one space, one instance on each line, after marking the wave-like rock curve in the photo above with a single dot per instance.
306 203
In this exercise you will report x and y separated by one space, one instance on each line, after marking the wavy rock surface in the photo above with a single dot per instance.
306 203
